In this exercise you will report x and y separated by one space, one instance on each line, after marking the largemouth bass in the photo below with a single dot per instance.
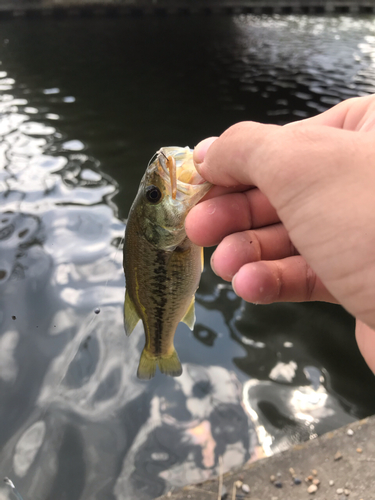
162 266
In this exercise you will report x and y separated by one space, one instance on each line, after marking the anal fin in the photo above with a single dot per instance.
189 318
131 316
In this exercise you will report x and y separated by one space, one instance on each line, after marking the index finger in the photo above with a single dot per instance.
211 220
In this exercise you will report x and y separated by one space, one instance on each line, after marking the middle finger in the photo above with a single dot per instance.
236 250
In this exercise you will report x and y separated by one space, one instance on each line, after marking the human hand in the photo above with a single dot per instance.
293 211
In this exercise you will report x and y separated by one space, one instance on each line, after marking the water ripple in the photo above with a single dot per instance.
313 55
59 261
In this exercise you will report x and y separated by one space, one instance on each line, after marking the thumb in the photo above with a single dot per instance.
224 160
201 149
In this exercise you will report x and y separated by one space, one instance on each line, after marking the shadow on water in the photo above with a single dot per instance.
83 106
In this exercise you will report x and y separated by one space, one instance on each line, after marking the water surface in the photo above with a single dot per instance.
84 104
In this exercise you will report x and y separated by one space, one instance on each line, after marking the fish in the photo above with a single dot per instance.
162 266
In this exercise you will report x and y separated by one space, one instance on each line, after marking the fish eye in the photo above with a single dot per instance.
153 194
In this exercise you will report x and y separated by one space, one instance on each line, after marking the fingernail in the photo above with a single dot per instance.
234 284
201 149
212 264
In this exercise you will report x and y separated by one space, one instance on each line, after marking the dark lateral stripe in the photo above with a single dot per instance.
159 298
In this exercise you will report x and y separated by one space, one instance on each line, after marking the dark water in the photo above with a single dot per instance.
83 106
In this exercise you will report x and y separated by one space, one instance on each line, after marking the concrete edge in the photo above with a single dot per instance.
337 465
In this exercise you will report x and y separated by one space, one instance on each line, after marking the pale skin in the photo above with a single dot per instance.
293 211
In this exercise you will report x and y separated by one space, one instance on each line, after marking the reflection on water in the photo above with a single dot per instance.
75 423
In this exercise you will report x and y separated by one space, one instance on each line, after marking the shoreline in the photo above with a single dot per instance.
337 465
114 8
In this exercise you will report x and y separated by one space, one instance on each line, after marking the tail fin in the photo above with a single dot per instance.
169 365
147 366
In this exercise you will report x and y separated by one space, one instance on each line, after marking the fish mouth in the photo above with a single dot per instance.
178 171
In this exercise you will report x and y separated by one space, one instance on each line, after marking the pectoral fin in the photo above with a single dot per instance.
131 317
189 318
